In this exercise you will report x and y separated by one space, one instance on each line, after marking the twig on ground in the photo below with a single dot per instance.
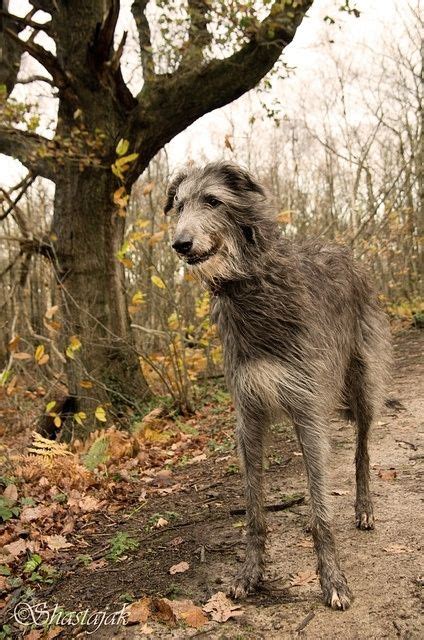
305 621
279 506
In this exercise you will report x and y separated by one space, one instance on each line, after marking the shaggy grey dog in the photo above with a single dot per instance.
302 334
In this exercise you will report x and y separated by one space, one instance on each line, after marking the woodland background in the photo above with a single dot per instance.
110 370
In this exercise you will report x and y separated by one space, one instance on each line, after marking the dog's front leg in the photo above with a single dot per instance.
250 439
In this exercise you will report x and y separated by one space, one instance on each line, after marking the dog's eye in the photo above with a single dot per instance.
212 202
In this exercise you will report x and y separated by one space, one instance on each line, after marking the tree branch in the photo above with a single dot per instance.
198 35
138 9
44 57
27 148
169 104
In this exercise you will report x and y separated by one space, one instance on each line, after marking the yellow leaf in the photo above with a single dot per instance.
14 343
158 282
117 172
122 147
39 352
50 405
79 417
138 298
120 162
100 414
57 421
126 262
86 384
120 197
75 343
142 223
70 353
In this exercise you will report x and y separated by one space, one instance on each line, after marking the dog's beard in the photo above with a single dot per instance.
225 264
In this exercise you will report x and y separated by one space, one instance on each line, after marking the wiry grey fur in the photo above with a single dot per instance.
302 334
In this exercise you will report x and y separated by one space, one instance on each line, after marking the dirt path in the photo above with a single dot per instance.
383 566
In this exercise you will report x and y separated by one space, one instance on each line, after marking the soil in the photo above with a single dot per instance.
383 566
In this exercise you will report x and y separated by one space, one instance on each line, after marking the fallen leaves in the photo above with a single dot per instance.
57 542
181 567
222 608
387 474
166 611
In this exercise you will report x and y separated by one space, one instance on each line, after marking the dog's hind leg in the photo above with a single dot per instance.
313 441
250 438
361 405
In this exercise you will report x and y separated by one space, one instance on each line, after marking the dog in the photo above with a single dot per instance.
302 335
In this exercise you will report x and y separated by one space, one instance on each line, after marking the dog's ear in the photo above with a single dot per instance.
239 179
172 190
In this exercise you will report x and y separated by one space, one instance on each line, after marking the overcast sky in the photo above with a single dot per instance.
310 54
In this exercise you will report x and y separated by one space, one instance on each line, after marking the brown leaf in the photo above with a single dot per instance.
162 611
139 611
57 542
187 611
29 514
176 541
11 493
161 523
181 567
222 608
302 578
387 474
89 504
16 548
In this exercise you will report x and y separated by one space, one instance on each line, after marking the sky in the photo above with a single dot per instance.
310 54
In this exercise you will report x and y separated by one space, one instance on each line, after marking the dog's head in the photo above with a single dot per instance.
221 220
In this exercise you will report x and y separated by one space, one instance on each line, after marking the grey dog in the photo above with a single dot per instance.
303 336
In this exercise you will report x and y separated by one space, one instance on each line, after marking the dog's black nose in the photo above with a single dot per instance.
183 245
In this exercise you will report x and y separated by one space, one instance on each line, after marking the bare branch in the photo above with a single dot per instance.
27 148
27 22
49 62
31 79
138 9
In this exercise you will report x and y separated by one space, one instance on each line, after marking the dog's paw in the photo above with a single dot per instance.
364 516
246 582
337 594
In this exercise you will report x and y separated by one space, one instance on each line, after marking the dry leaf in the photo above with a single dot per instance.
55 543
181 567
397 548
387 474
176 541
187 611
222 608
89 503
161 523
339 492
162 611
302 578
139 611
16 548
29 514
11 493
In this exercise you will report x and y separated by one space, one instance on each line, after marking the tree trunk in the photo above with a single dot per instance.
87 234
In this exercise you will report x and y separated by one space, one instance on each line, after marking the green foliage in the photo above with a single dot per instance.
32 563
7 510
121 544
97 454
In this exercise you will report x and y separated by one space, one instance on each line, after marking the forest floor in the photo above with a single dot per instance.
194 505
